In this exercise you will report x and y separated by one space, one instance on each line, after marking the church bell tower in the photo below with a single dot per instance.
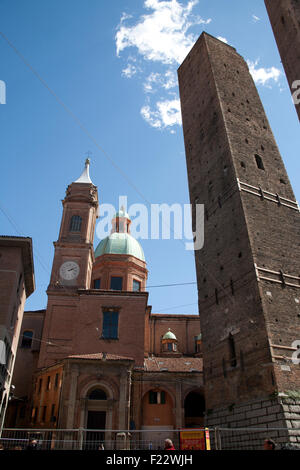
71 269
73 258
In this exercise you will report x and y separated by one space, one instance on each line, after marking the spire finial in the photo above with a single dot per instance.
88 160
85 177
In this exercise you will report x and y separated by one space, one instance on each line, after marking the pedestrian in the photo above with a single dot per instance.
33 445
169 445
269 444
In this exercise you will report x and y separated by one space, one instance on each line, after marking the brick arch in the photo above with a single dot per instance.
158 414
160 387
194 407
91 383
189 390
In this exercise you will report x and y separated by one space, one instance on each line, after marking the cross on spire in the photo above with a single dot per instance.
88 153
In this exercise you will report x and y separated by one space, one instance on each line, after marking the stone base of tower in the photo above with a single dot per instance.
238 426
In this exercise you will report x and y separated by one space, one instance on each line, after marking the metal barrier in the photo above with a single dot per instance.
253 438
91 439
88 439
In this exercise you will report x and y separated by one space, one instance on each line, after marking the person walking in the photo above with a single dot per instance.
269 444
169 445
33 445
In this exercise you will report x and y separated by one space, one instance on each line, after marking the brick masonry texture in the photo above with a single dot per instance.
274 416
228 138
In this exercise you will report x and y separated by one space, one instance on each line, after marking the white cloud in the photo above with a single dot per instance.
151 81
263 76
171 80
161 35
152 117
167 81
170 112
255 18
129 71
162 38
166 114
222 39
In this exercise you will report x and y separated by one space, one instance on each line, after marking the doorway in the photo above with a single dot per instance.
95 421
194 408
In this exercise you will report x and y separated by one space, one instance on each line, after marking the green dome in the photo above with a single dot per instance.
169 335
121 244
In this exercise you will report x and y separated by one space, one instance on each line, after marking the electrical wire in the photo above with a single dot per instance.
171 285
89 135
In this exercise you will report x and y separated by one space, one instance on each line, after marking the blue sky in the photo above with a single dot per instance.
100 76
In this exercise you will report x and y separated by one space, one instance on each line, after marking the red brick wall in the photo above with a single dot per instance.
74 325
185 328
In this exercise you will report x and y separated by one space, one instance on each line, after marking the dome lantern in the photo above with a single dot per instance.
169 342
119 259
121 222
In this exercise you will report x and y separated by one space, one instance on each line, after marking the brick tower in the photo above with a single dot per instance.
72 264
73 258
285 20
248 270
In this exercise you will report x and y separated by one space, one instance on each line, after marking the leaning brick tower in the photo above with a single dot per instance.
248 269
285 21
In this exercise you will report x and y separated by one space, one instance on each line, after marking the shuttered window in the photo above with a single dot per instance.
110 325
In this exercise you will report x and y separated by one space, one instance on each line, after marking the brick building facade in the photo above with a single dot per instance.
103 360
16 284
248 269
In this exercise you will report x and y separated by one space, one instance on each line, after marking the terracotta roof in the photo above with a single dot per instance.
176 364
99 356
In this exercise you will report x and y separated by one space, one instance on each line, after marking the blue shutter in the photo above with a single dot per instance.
110 325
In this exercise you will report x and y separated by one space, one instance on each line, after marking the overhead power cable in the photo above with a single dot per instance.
91 137
171 285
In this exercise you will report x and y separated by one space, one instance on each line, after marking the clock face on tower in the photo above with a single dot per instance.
69 270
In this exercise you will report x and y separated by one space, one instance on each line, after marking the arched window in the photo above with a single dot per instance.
97 394
75 224
27 339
